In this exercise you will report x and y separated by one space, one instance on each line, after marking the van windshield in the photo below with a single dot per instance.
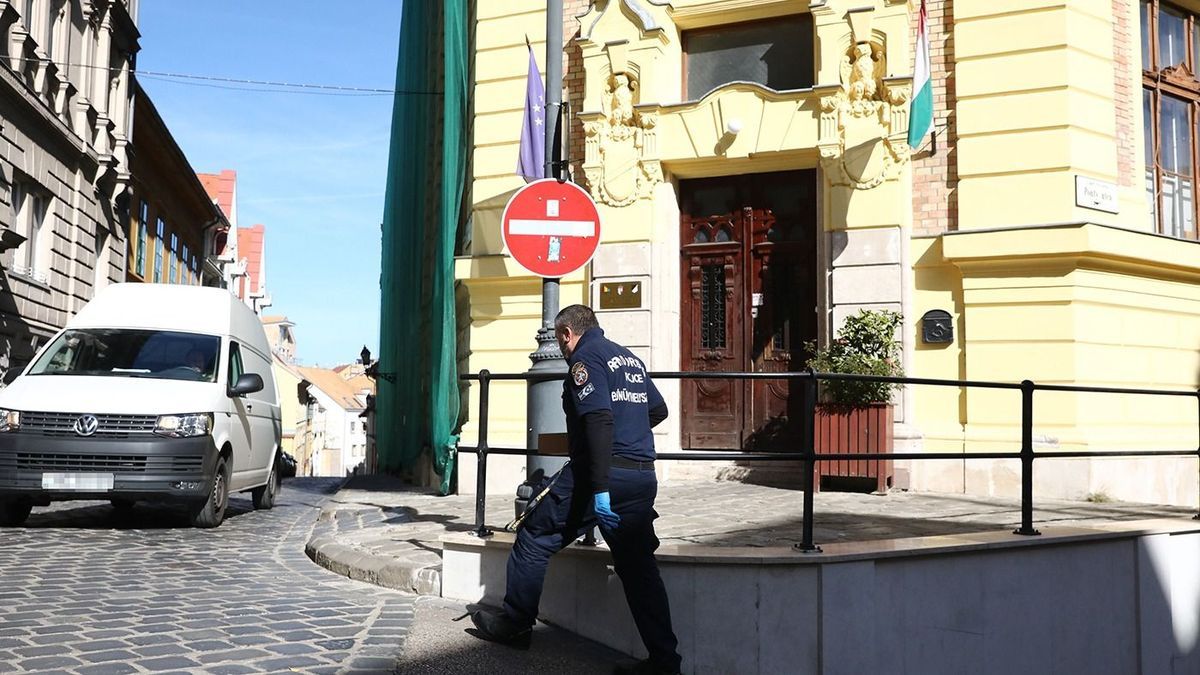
119 352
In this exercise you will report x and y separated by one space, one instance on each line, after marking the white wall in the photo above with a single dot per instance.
1094 601
333 435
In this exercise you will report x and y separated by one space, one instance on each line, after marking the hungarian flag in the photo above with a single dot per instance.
920 116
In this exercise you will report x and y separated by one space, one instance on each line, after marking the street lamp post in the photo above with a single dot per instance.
544 403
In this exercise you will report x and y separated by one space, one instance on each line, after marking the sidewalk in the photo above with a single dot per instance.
379 530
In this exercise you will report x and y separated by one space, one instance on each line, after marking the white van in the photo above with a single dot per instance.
152 392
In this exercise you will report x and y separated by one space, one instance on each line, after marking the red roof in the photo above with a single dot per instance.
250 247
221 189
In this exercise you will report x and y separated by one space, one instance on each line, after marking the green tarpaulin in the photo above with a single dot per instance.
418 411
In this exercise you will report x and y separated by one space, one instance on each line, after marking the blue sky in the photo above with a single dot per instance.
312 168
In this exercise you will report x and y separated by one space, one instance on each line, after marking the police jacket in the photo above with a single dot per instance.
611 405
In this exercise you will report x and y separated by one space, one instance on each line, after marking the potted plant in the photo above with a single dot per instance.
853 416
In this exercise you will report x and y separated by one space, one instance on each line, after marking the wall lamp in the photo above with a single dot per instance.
372 369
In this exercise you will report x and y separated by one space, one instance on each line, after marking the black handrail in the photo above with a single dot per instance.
808 453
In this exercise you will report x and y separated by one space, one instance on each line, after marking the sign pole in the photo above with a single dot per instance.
544 404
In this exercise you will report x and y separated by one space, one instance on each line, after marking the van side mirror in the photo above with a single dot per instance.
248 383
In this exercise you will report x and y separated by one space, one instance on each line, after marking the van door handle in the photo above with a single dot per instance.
249 408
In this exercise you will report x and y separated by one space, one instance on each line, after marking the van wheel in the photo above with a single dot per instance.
14 512
264 497
212 511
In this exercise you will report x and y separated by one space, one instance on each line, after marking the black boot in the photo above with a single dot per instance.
646 667
497 627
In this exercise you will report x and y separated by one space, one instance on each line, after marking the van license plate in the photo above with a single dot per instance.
85 482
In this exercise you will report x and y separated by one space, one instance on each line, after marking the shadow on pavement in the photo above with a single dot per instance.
439 644
143 516
319 486
839 526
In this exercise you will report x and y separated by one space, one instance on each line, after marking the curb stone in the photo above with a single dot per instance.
325 550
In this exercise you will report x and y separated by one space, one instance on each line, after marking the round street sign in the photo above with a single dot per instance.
551 228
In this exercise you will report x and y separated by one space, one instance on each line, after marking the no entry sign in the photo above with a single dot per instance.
551 228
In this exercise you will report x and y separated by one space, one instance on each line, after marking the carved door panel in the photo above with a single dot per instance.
776 283
713 415
759 258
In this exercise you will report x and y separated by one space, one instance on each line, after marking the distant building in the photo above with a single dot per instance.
173 226
65 102
282 337
222 190
252 288
288 382
243 249
335 435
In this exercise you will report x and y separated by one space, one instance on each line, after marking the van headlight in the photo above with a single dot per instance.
10 420
184 426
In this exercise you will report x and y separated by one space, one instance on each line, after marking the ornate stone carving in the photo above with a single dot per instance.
621 151
864 121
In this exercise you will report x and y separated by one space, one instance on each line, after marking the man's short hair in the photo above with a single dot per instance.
578 318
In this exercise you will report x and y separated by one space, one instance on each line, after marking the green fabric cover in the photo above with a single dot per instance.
426 178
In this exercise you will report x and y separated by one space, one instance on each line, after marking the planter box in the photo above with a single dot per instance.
863 430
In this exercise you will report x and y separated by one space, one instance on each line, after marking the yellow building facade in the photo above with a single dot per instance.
750 164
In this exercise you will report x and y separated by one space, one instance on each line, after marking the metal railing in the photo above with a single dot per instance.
808 454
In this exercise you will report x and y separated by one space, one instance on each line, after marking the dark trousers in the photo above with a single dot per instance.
562 517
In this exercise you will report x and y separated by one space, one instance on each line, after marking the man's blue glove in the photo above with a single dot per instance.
604 512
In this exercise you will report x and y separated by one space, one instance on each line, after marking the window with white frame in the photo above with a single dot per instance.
28 16
174 262
103 258
139 261
56 33
30 209
158 251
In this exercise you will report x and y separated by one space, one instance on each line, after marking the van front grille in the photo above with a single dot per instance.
63 424
54 462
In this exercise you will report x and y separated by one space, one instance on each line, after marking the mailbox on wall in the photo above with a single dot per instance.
937 327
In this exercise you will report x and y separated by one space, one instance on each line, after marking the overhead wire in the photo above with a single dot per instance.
142 75
244 84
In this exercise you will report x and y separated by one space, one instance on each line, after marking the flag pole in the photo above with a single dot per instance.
544 403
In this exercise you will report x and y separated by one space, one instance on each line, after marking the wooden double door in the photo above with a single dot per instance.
748 304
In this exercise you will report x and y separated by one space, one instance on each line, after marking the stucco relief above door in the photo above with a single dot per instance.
864 119
620 162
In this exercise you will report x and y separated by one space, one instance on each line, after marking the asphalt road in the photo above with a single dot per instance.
87 590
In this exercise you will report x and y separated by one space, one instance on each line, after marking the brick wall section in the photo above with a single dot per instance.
935 174
573 81
1126 59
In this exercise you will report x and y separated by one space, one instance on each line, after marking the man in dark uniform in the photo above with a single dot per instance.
611 405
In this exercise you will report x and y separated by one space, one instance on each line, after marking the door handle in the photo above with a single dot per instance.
249 408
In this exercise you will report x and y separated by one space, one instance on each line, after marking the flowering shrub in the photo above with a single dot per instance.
865 345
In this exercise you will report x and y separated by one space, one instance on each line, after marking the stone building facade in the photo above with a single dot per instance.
65 130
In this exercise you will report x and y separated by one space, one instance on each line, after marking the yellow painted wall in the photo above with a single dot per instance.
1084 305
1035 87
1059 294
291 412
504 300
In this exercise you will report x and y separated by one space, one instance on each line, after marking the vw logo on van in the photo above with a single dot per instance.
86 425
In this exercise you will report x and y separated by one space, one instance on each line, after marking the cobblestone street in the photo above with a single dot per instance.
84 589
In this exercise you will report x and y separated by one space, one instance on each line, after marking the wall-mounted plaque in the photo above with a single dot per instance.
620 295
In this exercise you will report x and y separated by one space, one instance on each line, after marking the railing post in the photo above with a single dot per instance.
1026 460
481 468
808 425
